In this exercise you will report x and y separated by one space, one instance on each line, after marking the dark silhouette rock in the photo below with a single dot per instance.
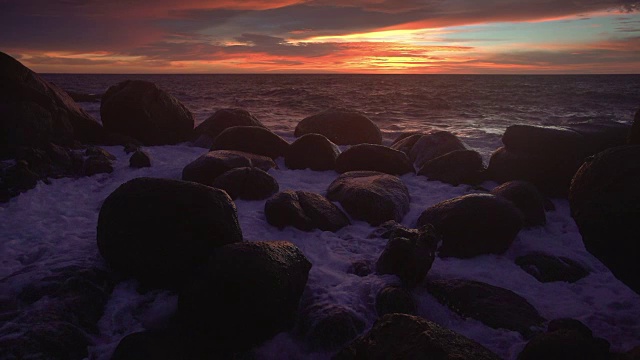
393 299
605 203
406 135
526 197
548 268
370 196
131 148
342 127
305 211
47 340
18 178
312 151
251 139
405 144
208 167
99 162
634 133
224 119
38 160
247 183
327 326
139 159
495 307
159 231
434 145
150 345
455 168
250 292
597 137
374 158
530 139
142 110
473 225
401 336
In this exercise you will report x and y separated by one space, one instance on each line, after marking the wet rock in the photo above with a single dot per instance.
342 127
526 197
312 151
247 183
100 152
159 231
18 178
473 225
360 268
327 326
226 118
150 345
548 268
605 203
131 148
252 139
597 137
50 340
401 336
405 143
142 110
393 299
374 158
97 164
495 307
634 133
38 160
305 211
434 145
139 159
370 196
455 168
208 167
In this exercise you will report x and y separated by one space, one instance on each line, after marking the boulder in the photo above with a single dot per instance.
548 268
139 159
142 110
305 211
252 139
405 135
150 345
374 158
342 127
455 168
360 268
312 151
605 203
97 163
327 326
405 143
160 231
208 167
224 119
401 336
540 140
493 306
434 145
370 196
247 183
526 197
249 292
17 178
597 137
634 133
393 299
473 225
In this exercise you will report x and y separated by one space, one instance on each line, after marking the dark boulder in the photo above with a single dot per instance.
401 336
360 268
597 137
150 345
548 268
526 197
249 293
342 127
634 133
252 139
370 196
405 144
224 119
312 151
142 110
17 178
434 145
374 158
208 167
393 299
97 161
247 183
159 231
473 225
405 135
305 211
605 203
47 340
327 326
549 140
455 168
495 307
139 159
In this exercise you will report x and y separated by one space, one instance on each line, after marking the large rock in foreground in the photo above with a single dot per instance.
343 127
399 336
159 231
312 151
208 167
370 196
251 139
374 158
142 110
305 211
605 203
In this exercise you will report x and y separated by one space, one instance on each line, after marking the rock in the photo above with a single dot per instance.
131 148
393 299
247 183
99 152
526 197
327 326
566 339
251 139
97 164
142 110
405 144
409 257
473 225
597 137
18 178
548 268
370 196
493 306
226 118
401 336
342 127
139 159
312 151
149 345
250 292
209 166
38 161
60 159
406 135
305 211
360 268
374 158
48 340
605 203
634 133
34 112
391 229
548 140
455 168
434 145
159 231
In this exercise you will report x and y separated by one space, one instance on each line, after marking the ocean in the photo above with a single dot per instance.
55 224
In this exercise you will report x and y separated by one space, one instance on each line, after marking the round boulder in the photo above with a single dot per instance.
526 197
393 299
252 139
247 183
208 167
159 231
139 159
455 168
433 145
305 211
312 151
566 339
327 326
343 127
224 119
142 110
374 158
548 268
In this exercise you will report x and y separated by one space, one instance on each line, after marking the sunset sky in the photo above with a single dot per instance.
318 36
